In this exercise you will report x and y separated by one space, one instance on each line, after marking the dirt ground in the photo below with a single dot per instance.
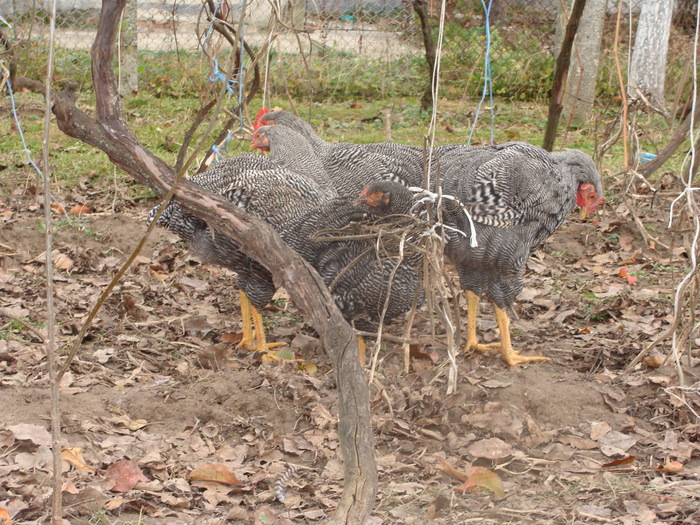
165 421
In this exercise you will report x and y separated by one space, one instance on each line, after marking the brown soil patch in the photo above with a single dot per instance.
157 383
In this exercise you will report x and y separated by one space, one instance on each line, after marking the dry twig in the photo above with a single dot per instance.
415 240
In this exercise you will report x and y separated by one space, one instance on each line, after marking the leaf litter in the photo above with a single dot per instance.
164 418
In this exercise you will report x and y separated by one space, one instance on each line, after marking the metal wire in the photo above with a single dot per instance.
488 83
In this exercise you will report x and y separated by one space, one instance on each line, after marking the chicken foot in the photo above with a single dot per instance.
248 313
510 356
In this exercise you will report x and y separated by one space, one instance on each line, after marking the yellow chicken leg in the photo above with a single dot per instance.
262 345
510 357
362 349
247 337
472 344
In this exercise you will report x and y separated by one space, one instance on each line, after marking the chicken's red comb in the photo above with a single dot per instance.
259 117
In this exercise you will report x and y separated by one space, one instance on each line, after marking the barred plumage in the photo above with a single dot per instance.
387 160
518 195
361 291
350 167
280 488
263 188
297 207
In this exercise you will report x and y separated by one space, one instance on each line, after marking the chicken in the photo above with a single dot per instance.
262 188
360 280
298 207
388 160
518 195
350 167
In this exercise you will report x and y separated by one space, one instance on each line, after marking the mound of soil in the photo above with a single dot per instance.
166 421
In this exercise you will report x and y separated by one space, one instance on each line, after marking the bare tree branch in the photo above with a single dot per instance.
419 6
678 138
560 73
110 133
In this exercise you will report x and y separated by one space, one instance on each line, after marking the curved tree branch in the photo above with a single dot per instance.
561 70
110 133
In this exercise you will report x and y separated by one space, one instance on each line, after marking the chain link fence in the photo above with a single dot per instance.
321 48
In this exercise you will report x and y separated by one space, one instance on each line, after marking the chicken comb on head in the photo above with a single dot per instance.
258 122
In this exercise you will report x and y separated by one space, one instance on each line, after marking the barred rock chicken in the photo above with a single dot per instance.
518 195
350 167
360 280
262 188
402 162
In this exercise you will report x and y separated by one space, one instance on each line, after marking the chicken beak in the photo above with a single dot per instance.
259 141
583 213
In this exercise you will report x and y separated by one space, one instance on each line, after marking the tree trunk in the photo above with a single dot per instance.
426 101
579 97
685 16
560 71
296 14
648 64
110 133
129 50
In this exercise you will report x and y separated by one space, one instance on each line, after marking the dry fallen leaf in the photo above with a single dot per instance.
654 360
75 457
125 474
599 429
418 352
614 443
62 261
308 367
214 472
58 207
492 448
452 472
34 433
629 460
79 209
69 488
671 467
5 517
157 271
481 478
231 337
131 424
634 257
114 504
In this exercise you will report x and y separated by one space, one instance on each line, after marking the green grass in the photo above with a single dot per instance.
160 120
13 331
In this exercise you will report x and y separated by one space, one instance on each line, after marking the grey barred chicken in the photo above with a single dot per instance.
387 160
360 281
518 195
350 167
260 187
363 286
